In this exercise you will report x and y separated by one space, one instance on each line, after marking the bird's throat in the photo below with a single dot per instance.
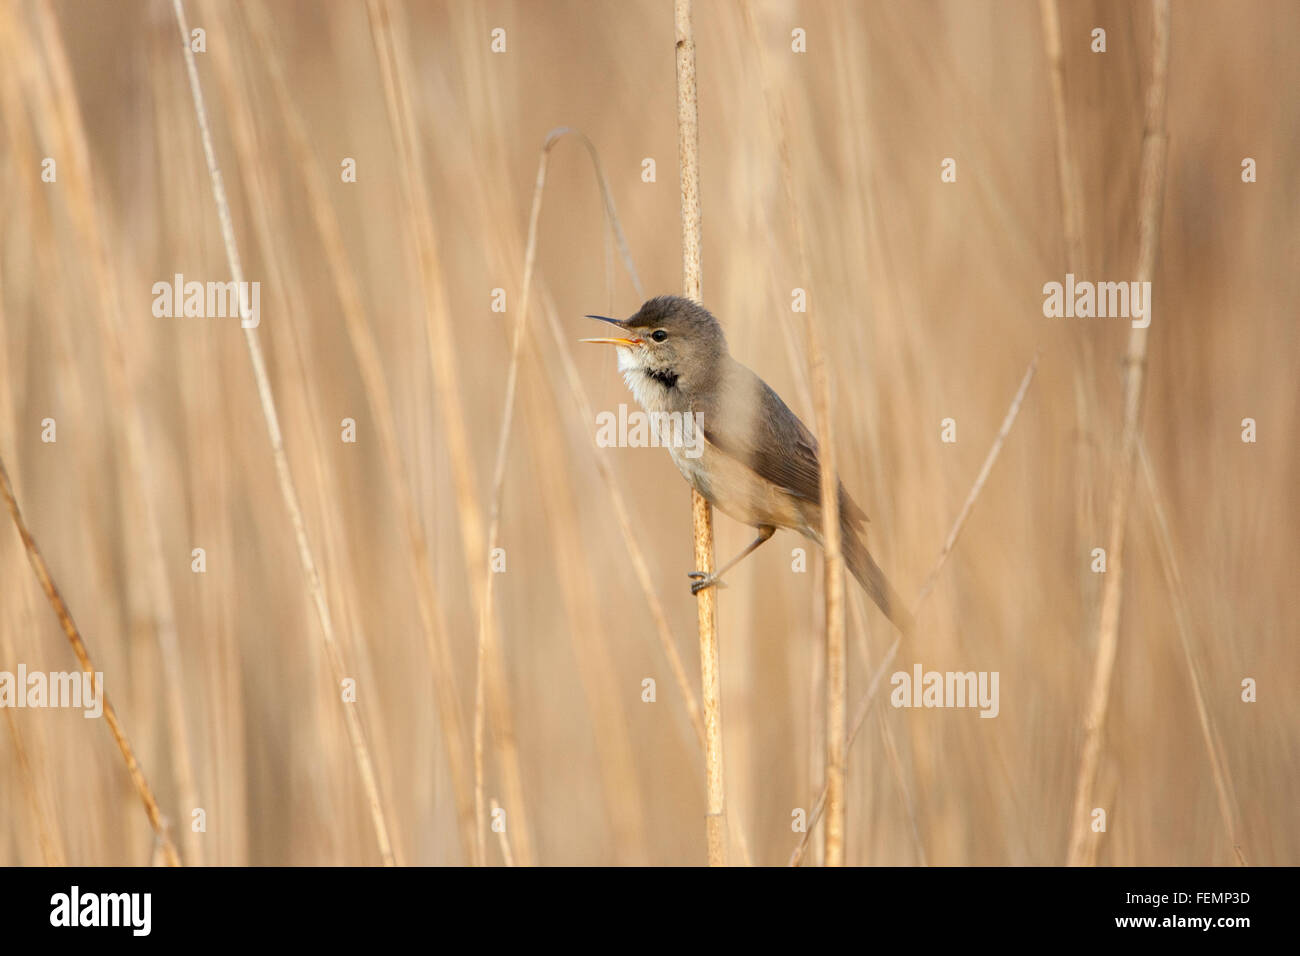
664 376
654 390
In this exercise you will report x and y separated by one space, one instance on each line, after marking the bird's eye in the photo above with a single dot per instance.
658 335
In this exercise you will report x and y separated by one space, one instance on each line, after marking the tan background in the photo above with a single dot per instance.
928 297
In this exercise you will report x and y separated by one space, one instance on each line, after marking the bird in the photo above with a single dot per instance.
756 462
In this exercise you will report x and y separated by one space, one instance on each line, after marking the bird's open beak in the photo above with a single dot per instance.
611 341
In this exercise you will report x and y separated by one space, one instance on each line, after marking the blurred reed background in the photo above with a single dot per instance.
929 301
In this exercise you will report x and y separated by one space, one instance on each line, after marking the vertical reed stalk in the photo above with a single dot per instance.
356 733
397 77
837 686
136 469
864 705
1067 168
1072 219
1083 843
688 157
637 558
374 381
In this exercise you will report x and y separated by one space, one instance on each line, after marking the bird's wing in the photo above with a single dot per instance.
749 422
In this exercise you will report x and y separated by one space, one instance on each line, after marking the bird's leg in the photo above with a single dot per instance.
702 580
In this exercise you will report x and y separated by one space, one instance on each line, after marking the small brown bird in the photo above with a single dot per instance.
756 462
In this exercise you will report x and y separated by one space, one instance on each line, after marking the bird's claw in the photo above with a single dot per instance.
700 580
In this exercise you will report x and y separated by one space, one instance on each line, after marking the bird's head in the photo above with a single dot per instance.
671 340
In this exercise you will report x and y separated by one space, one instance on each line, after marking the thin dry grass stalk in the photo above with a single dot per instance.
1182 618
815 386
779 120
1083 842
837 686
864 706
592 649
858 611
576 389
83 657
1072 219
374 381
356 732
637 558
396 73
498 484
62 110
595 666
1067 168
35 786
286 288
904 795
688 158
837 672
46 835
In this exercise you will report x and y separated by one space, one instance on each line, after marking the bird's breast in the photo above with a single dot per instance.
738 491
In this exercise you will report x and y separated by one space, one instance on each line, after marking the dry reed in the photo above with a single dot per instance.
926 296
369 362
1223 788
289 493
62 111
490 685
78 643
688 161
864 705
1083 842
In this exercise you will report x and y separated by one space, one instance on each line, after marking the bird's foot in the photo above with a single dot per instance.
700 581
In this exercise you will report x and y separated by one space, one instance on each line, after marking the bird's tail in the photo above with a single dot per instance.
874 582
